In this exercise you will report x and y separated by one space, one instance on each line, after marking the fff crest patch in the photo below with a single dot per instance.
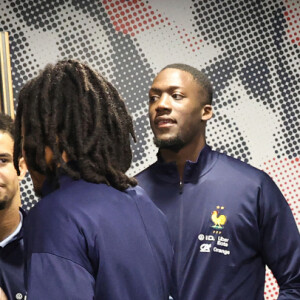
218 218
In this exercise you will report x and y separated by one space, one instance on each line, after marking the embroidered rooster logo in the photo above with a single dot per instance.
219 221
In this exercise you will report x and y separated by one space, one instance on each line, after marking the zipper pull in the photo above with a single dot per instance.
180 187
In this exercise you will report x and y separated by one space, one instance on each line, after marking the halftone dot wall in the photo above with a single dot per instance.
249 49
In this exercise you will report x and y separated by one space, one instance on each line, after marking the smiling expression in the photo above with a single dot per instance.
9 180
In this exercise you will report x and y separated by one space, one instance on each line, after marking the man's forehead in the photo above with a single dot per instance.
5 134
6 143
171 77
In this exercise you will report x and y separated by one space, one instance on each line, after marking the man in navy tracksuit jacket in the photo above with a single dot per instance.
94 234
91 241
11 216
227 219
12 263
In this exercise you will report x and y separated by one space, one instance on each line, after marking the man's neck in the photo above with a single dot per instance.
189 152
9 221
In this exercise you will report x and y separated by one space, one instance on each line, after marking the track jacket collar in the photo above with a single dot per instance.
19 234
192 170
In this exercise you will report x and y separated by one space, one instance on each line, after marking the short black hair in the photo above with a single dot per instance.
7 125
199 76
71 108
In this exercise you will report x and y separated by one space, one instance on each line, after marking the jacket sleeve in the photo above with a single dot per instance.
53 277
280 240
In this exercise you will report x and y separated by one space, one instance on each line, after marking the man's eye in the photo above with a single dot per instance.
177 96
3 160
153 98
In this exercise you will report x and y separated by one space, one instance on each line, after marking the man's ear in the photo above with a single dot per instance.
207 112
22 168
49 156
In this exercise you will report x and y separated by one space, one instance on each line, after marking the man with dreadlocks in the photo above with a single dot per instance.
94 234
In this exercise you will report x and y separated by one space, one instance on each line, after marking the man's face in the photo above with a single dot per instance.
9 180
176 104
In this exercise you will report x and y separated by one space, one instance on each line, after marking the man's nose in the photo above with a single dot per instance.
163 103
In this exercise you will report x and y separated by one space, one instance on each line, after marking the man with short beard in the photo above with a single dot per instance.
227 219
11 216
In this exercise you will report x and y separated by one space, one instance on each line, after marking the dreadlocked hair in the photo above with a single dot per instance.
72 109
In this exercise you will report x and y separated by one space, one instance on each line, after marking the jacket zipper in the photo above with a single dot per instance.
181 184
180 235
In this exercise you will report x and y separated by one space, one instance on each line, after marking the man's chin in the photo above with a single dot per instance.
173 144
5 203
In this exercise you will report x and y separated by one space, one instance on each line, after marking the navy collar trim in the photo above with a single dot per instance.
50 186
192 171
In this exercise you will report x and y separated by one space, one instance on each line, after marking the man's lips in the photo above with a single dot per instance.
163 122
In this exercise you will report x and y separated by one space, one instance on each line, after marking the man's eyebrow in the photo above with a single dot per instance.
7 155
170 88
154 90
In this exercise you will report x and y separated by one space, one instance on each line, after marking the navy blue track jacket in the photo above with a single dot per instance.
91 241
227 220
12 266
